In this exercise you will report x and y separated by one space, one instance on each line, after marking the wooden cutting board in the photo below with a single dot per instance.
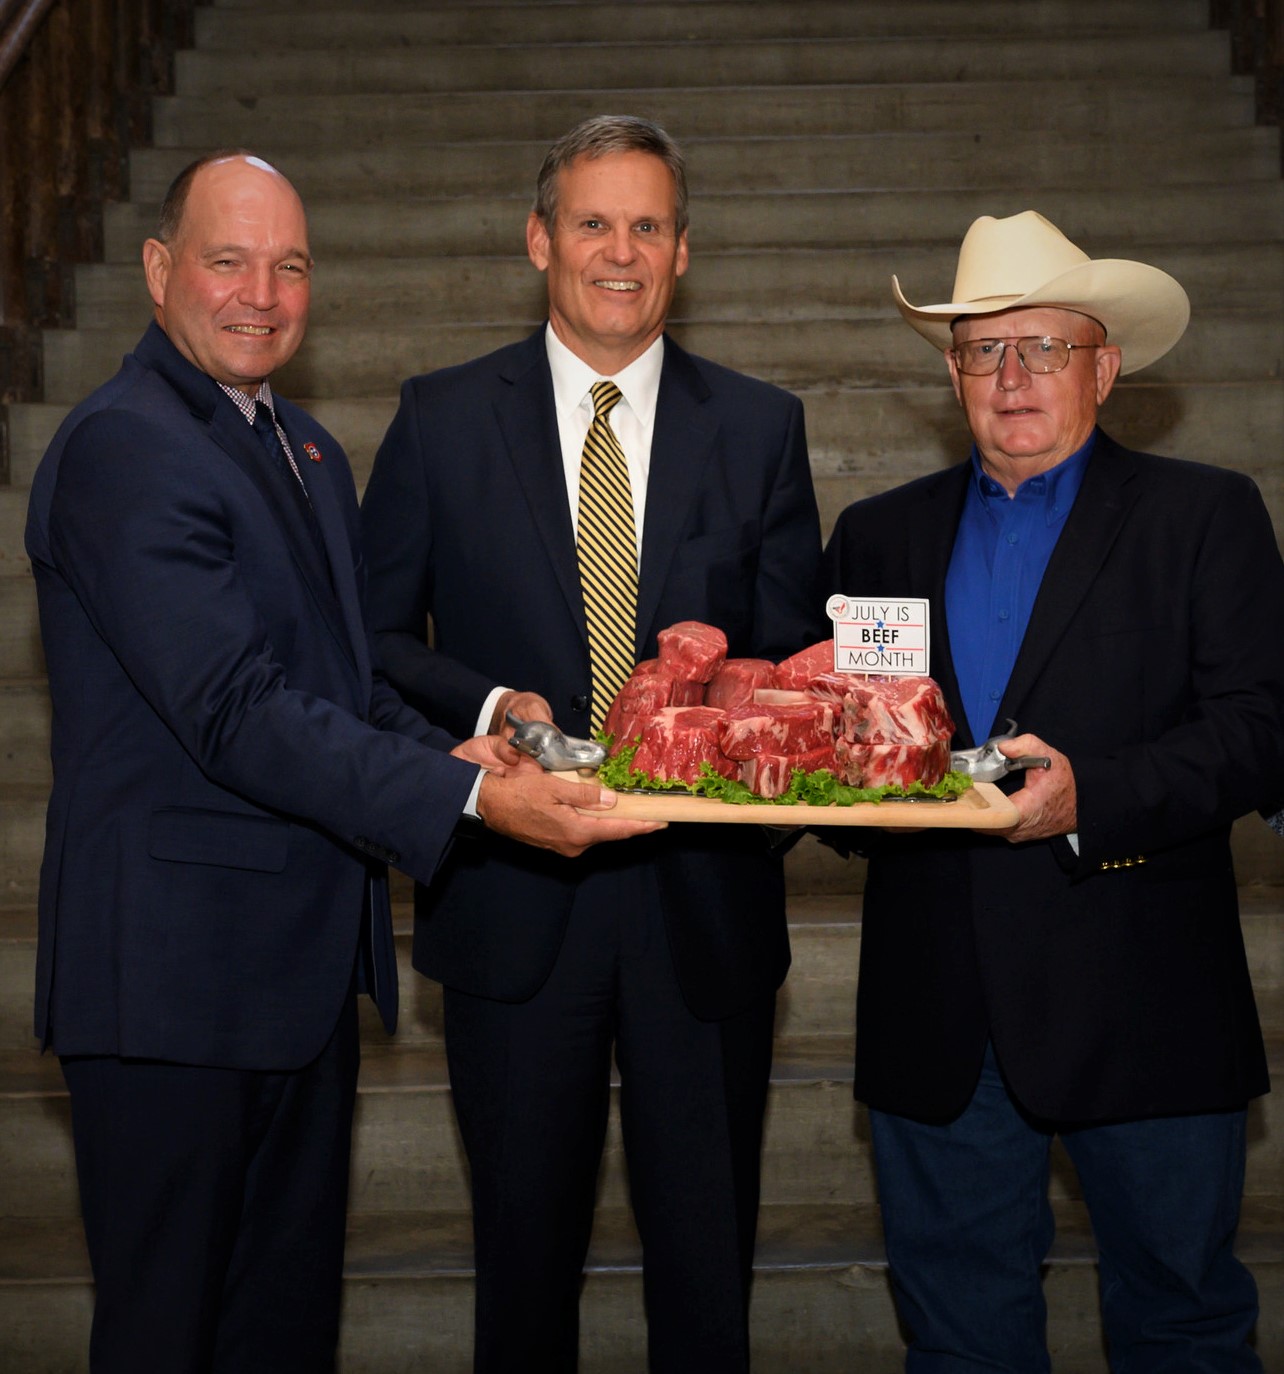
982 807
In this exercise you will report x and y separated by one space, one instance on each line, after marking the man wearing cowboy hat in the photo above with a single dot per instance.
1085 974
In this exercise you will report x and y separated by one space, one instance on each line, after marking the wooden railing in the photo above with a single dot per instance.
76 83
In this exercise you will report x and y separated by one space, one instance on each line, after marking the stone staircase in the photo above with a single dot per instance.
831 143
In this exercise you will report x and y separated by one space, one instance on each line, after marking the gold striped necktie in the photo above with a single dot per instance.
606 545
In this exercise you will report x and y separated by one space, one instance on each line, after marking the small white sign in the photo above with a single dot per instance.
875 634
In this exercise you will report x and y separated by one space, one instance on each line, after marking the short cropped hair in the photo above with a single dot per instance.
603 134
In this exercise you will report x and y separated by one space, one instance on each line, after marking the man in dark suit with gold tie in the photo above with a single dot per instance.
551 507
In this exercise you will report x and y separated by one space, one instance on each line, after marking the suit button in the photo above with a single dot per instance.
579 703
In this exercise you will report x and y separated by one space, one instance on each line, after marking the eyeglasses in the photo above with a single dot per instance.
980 357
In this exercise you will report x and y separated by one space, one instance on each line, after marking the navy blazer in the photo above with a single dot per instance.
1154 659
230 773
467 523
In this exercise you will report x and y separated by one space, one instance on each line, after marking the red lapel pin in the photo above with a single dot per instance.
313 452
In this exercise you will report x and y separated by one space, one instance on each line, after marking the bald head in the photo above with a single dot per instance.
230 275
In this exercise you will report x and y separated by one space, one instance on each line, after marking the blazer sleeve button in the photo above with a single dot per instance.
579 703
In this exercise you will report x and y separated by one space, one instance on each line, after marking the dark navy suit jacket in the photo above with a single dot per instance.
466 521
230 773
1113 982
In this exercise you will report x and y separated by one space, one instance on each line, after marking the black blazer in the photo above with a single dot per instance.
1154 659
467 522
229 773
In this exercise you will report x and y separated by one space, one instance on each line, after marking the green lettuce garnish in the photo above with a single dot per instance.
818 788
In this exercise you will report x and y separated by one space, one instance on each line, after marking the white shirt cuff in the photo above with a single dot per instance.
470 806
488 709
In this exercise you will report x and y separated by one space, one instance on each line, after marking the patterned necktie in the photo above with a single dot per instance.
287 473
607 550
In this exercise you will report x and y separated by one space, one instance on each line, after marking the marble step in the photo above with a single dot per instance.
861 440
720 285
407 1155
817 999
821 1301
232 27
364 360
839 162
19 635
669 62
14 562
24 733
1120 219
1118 107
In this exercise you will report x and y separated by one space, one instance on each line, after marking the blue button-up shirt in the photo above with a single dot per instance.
1000 554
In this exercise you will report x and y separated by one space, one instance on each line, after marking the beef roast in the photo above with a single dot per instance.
895 710
736 681
678 739
798 671
692 652
768 775
759 723
649 690
792 729
876 765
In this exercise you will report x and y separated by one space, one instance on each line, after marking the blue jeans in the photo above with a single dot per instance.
968 1225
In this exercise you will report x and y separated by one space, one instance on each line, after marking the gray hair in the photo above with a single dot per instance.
603 134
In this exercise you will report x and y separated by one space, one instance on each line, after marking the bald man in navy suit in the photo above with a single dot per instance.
232 775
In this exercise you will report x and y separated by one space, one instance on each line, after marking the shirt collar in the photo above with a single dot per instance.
1055 489
245 404
639 383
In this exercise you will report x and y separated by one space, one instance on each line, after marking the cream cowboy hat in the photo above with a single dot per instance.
1025 260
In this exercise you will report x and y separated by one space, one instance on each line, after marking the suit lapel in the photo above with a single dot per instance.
335 587
227 428
238 440
528 421
682 443
1100 510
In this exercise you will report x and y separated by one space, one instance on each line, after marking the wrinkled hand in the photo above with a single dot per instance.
539 808
491 752
524 705
1048 803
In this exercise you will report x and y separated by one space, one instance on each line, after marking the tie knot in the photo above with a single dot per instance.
606 396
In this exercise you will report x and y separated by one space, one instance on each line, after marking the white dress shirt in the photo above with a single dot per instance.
632 420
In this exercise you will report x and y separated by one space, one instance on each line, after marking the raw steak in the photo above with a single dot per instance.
895 710
649 690
768 775
759 723
637 701
795 729
735 682
798 671
691 651
874 765
678 739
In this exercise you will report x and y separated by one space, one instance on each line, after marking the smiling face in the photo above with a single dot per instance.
612 255
1025 423
232 287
